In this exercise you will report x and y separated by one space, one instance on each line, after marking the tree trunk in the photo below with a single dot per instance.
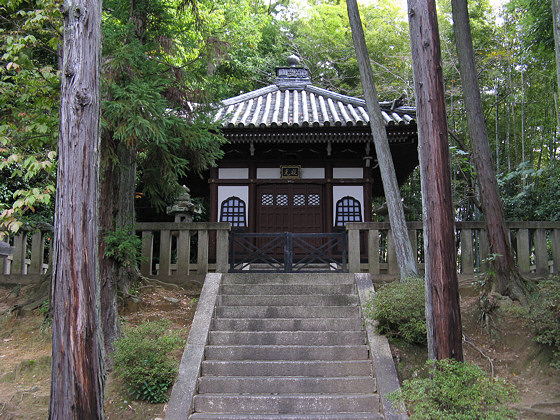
443 314
116 211
556 20
507 280
77 382
403 247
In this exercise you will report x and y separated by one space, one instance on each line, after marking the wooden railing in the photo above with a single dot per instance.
170 251
536 247
167 249
182 251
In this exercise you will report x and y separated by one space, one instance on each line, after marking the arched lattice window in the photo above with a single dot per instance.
233 211
348 209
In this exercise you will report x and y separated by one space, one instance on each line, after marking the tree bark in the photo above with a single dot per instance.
116 211
403 247
443 314
507 280
77 382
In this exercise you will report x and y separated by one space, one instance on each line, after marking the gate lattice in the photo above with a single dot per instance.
274 252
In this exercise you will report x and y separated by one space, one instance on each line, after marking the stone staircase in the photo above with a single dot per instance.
286 346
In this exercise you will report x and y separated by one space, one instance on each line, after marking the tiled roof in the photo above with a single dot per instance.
294 102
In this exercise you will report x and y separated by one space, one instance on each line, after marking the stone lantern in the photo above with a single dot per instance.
184 209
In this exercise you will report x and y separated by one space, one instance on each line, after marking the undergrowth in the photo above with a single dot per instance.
456 391
399 309
143 361
545 316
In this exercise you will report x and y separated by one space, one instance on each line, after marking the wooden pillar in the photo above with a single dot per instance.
37 250
354 251
213 194
202 260
373 251
147 253
165 253
541 251
20 248
328 204
222 250
555 237
523 259
467 261
252 204
184 253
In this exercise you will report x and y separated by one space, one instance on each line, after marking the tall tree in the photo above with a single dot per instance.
556 26
403 247
507 280
443 315
77 382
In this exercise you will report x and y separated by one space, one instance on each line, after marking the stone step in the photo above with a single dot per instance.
286 338
273 404
251 311
286 278
283 300
316 416
287 324
287 289
286 352
287 368
286 384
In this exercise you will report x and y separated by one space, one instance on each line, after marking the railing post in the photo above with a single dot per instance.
37 250
147 253
184 252
391 254
288 252
164 253
20 246
202 263
353 251
222 243
373 251
541 251
484 249
467 260
523 261
555 237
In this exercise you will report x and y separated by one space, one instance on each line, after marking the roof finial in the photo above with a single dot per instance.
293 60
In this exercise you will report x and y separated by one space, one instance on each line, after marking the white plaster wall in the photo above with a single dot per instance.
345 173
341 191
268 173
225 192
233 173
313 173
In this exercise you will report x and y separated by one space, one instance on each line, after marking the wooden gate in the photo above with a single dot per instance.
316 252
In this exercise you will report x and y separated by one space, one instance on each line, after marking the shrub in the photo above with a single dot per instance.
399 310
457 391
143 362
545 316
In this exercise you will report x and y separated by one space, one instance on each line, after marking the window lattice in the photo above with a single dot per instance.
348 209
282 200
299 199
314 200
233 211
267 200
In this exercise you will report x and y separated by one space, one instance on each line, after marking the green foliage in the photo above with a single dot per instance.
457 391
530 194
143 362
124 246
545 316
29 96
399 309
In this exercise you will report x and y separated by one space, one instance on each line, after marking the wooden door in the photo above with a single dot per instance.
290 208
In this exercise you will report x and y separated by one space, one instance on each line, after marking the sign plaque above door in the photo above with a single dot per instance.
290 171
